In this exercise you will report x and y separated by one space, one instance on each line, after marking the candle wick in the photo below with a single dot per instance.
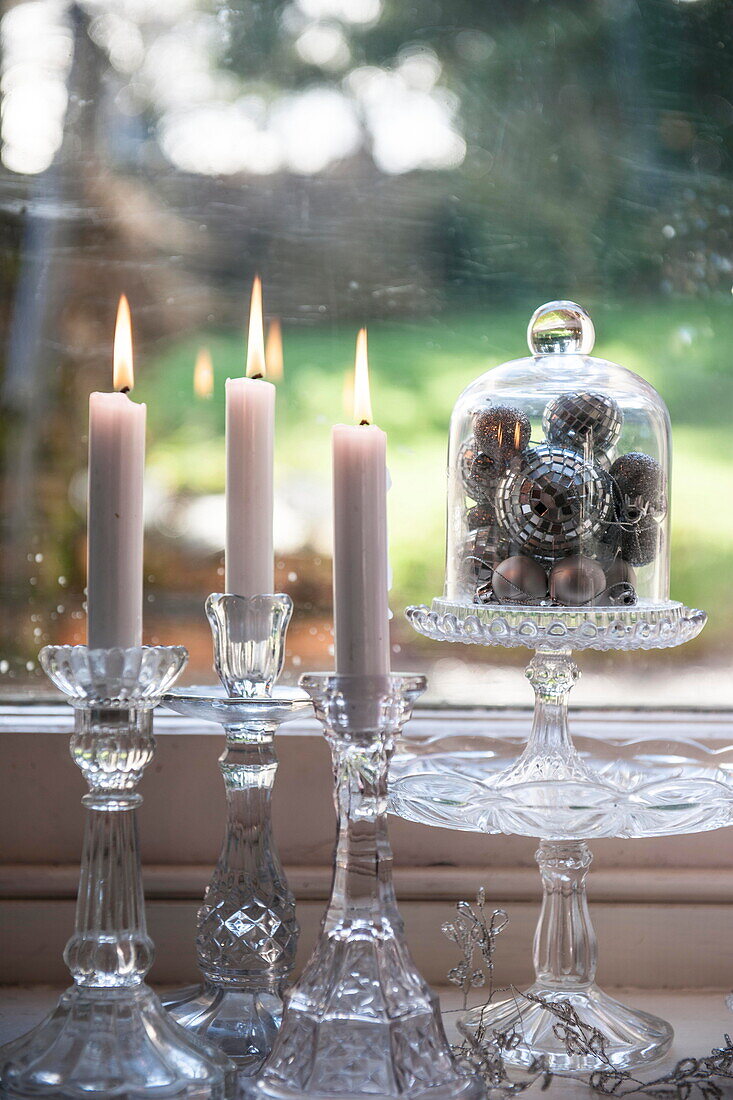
258 375
125 389
364 423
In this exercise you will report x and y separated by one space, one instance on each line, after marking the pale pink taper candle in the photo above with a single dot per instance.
250 435
360 560
115 505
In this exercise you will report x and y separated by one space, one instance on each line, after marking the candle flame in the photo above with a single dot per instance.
362 395
274 351
256 340
124 378
203 374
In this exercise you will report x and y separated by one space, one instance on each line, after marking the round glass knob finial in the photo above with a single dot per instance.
560 328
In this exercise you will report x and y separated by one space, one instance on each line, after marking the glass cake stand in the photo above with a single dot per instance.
566 794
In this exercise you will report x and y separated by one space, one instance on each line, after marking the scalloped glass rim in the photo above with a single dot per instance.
644 626
115 678
648 786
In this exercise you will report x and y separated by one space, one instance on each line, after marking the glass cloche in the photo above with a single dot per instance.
558 478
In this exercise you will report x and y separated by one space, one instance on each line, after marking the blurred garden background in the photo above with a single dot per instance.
433 168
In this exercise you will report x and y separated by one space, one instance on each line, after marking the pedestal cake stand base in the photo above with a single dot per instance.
567 793
630 1037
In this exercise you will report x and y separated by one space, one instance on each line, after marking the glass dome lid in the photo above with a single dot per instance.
558 478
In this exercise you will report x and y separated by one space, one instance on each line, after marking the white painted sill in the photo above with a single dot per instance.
649 897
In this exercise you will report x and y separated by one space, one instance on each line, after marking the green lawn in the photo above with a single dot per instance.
418 369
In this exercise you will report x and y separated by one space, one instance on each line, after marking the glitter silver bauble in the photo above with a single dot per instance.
502 432
640 541
638 487
582 420
553 502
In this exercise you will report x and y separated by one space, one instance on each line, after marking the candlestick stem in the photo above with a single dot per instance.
361 1020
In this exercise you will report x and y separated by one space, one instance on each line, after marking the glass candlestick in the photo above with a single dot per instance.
109 1036
247 932
361 1020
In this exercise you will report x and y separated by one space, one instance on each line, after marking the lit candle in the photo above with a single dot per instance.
250 419
115 504
360 569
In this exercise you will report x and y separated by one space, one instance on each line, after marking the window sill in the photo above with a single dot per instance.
647 895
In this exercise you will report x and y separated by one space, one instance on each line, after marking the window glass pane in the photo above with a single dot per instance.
434 169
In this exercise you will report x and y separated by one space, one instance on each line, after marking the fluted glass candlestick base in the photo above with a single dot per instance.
109 1036
247 932
361 1021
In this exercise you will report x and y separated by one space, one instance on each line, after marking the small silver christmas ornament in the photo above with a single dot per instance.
587 421
519 579
640 541
482 551
638 487
576 581
553 502
479 473
502 432
620 584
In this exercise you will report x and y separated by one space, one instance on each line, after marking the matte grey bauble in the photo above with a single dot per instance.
576 581
519 579
620 584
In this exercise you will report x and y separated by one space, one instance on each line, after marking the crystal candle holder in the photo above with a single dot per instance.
247 932
109 1035
361 1020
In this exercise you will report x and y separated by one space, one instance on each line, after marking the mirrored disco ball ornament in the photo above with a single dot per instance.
583 420
553 501
483 550
480 473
